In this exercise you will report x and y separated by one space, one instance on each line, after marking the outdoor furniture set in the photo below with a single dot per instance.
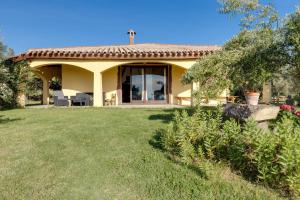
81 99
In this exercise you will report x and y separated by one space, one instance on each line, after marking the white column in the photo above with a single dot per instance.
45 91
98 92
267 92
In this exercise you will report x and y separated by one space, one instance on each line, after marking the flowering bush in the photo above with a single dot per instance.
291 109
287 107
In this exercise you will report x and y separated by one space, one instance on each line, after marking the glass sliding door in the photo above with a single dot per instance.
144 84
126 82
155 83
137 84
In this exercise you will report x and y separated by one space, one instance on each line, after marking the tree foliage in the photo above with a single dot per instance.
291 31
255 56
254 14
249 59
34 87
210 74
13 80
13 77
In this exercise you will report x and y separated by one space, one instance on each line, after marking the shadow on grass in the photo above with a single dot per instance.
157 143
4 120
168 114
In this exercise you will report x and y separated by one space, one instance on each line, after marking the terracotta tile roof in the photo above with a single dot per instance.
127 52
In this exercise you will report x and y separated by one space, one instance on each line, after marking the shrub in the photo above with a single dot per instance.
13 80
271 157
193 137
287 114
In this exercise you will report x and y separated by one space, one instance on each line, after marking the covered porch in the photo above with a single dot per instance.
138 83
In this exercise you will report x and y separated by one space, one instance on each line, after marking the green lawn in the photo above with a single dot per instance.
102 154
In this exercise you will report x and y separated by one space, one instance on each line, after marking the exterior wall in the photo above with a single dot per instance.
178 89
75 79
110 81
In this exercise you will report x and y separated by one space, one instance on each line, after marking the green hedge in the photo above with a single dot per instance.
272 157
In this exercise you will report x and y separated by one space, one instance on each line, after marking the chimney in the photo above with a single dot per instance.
131 34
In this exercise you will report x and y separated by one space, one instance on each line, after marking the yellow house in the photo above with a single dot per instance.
131 74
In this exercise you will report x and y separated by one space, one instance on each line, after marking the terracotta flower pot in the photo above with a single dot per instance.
252 98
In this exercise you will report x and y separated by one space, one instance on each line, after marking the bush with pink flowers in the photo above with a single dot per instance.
289 112
289 108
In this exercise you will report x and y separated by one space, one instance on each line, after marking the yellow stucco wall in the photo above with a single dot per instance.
110 81
75 80
178 89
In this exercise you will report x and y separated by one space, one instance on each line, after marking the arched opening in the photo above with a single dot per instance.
34 91
68 79
43 80
76 80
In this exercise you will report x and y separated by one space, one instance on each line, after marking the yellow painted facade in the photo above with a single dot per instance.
100 76
110 82
178 89
76 80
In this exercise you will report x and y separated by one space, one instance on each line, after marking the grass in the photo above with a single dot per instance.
103 154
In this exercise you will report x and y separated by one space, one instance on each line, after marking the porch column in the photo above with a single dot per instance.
192 96
45 91
267 92
98 92
193 88
21 98
170 85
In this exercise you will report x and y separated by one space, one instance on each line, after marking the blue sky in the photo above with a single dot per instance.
59 23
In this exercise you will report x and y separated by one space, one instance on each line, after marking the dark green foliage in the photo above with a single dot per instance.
289 115
13 79
291 34
192 137
34 87
272 157
256 56
247 60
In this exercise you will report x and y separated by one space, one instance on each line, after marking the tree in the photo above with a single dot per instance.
13 81
2 51
248 59
256 55
211 75
291 32
13 77
254 14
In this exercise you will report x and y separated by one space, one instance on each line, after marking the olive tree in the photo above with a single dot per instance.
13 77
247 60
291 32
